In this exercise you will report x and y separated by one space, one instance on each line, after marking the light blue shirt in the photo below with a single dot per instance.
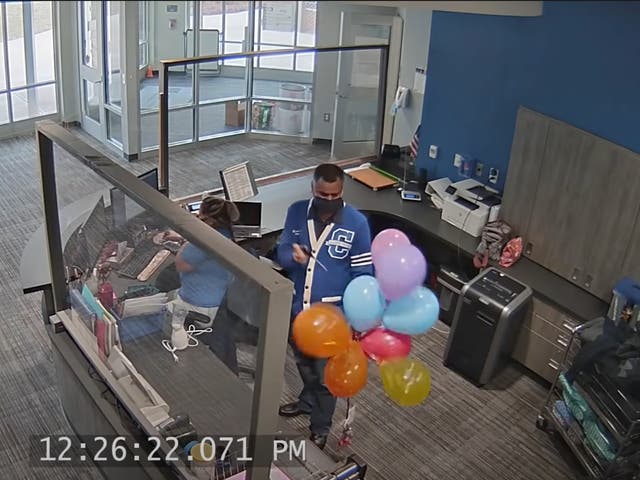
207 283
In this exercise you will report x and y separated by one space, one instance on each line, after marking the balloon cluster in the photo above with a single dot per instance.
383 311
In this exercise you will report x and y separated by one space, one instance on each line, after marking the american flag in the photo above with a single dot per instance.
415 144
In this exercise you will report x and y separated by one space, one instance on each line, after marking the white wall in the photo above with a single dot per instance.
415 49
327 34
166 43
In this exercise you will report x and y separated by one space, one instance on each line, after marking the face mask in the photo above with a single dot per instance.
327 207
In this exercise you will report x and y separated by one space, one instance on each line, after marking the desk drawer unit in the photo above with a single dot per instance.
543 339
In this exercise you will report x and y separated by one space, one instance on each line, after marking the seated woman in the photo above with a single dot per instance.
203 281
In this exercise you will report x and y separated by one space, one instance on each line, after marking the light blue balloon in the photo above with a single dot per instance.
412 314
363 303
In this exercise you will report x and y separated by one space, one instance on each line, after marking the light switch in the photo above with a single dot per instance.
433 151
457 160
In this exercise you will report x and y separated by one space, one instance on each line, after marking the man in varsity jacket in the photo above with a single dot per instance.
325 244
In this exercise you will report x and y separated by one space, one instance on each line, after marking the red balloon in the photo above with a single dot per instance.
382 344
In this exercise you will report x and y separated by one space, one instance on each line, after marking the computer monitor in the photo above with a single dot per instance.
93 235
250 214
124 208
238 182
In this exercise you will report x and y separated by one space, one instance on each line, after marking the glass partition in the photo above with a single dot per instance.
342 101
176 316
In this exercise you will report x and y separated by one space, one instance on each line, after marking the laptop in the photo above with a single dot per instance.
249 225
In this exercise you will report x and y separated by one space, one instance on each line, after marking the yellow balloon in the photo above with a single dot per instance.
406 381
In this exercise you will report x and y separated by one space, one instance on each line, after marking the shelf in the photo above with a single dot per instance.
578 450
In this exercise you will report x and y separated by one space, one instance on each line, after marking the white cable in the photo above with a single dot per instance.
192 333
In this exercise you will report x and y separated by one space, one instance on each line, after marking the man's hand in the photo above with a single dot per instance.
299 255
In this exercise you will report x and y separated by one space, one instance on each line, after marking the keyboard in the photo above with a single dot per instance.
142 255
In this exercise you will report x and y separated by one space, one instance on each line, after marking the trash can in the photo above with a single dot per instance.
290 115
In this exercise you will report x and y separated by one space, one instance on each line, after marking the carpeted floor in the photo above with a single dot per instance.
461 432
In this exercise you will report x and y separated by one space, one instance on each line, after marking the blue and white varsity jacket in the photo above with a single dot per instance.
344 248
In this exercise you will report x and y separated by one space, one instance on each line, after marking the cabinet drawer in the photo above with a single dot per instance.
537 354
554 316
548 330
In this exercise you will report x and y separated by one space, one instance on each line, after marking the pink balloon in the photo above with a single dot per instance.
382 344
400 270
387 239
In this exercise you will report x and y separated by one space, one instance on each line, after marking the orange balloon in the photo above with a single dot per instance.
321 331
346 373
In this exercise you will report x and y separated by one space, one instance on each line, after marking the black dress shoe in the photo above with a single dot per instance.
319 440
291 410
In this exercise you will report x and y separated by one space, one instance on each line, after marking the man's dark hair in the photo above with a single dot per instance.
329 172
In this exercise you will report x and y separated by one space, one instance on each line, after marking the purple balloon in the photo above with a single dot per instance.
387 239
400 270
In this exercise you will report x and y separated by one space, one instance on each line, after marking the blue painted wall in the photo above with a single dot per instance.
578 62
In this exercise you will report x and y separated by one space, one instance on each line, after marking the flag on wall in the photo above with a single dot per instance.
415 144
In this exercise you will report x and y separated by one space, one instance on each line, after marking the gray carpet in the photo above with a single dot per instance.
461 432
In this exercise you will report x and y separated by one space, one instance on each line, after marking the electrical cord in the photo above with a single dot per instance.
192 341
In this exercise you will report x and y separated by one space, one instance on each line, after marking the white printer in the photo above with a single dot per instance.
469 205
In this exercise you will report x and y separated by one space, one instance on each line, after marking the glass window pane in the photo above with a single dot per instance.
306 24
90 12
305 62
3 80
282 62
92 100
262 116
211 15
149 130
230 47
278 23
4 109
236 19
216 86
292 118
114 96
15 38
114 127
222 118
34 102
180 125
42 25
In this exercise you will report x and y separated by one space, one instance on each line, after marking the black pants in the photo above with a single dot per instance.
315 398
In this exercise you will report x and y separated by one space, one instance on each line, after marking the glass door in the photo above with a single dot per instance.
357 104
91 68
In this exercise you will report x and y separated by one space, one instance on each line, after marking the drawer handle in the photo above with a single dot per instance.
588 280
528 249
553 364
568 327
575 274
562 341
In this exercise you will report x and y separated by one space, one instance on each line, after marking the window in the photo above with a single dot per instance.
27 78
278 25
143 34
282 25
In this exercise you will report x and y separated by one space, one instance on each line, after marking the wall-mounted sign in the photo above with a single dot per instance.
172 8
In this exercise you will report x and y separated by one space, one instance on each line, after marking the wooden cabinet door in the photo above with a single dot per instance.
631 266
557 210
527 152
610 200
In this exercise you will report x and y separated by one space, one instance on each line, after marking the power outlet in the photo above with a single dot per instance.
493 175
479 169
327 117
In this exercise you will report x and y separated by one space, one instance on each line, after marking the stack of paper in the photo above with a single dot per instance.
134 307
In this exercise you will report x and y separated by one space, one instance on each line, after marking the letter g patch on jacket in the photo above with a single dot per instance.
340 242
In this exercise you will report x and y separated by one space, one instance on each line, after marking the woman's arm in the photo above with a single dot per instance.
185 258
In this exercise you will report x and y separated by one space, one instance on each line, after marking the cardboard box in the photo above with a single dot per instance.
234 113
